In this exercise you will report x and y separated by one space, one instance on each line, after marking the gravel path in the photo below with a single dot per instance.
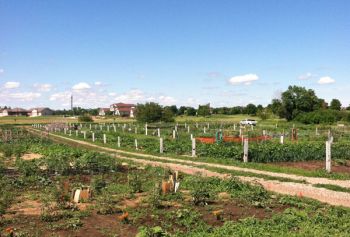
290 188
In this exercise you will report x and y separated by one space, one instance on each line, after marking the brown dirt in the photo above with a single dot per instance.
26 207
31 156
315 165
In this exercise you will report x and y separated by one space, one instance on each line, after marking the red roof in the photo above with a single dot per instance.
125 109
123 105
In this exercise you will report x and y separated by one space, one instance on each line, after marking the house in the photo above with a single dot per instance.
123 110
13 112
103 111
34 112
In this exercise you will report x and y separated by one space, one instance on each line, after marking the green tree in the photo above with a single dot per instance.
335 104
149 112
168 115
203 110
181 110
250 109
190 111
296 100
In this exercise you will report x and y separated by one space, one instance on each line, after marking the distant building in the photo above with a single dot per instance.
123 110
13 112
103 111
35 112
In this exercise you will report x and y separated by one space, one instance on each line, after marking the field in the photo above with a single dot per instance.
38 176
283 189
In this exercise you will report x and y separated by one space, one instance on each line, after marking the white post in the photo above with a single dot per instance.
208 125
204 131
158 130
115 129
328 156
282 139
104 139
161 148
84 134
240 132
176 128
118 142
135 130
193 147
234 127
245 150
65 130
316 131
107 128
196 125
174 134
76 133
100 127
185 125
90 126
188 129
146 129
70 132
191 136
93 137
136 147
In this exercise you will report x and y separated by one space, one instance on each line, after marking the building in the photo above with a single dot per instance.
13 112
35 112
123 110
103 111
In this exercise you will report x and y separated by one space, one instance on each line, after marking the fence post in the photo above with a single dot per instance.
107 128
161 148
188 129
104 139
70 132
245 150
193 147
76 133
328 156
118 142
158 130
84 135
90 126
146 129
136 147
191 136
282 139
174 134
93 137
204 131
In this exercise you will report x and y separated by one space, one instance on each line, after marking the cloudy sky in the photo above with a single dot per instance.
183 52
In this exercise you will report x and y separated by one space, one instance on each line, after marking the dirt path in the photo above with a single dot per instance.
290 188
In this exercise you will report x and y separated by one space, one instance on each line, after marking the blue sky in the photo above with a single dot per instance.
183 52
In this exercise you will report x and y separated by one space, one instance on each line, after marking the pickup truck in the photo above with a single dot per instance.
248 122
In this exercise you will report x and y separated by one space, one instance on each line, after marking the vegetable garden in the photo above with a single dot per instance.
37 177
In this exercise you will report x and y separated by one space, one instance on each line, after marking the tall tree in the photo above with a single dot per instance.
296 100
335 104
203 110
149 112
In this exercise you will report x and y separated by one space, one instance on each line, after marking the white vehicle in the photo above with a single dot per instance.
248 122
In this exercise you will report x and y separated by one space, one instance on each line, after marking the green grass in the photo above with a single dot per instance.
333 187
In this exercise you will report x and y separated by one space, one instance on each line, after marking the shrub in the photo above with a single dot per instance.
85 118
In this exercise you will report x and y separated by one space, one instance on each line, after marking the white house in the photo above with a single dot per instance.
123 110
35 112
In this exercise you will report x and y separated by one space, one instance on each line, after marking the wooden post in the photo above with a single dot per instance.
118 142
93 137
188 129
328 156
245 150
84 134
158 131
161 148
104 139
174 134
76 133
193 147
204 131
136 147
191 136
146 129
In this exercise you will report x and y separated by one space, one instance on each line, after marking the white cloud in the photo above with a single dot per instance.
81 86
246 79
60 96
98 83
166 100
326 80
11 85
43 87
24 96
131 96
306 76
